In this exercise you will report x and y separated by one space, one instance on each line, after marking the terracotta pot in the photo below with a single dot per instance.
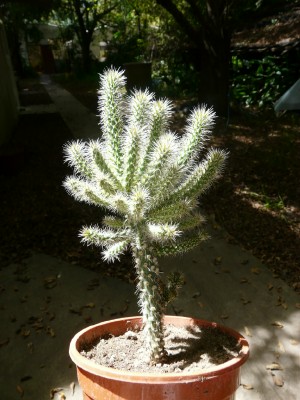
104 383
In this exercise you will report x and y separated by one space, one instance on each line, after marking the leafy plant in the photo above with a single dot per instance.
259 82
149 180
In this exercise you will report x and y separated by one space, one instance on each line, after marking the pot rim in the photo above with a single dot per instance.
129 376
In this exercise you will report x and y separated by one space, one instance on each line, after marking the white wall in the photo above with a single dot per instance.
9 100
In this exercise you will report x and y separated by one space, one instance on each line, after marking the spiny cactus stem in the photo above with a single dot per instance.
150 300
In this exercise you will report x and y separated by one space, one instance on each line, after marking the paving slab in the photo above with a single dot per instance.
45 301
80 120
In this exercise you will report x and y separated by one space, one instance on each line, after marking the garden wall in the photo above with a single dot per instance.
9 100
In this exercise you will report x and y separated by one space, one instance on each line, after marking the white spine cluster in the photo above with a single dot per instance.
149 180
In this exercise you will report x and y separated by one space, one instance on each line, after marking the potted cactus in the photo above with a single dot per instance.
149 180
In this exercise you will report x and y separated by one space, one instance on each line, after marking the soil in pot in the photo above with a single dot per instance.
189 349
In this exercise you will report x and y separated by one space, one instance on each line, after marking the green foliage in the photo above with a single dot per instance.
148 179
259 82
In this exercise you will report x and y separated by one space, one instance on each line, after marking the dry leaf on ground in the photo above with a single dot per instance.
54 391
247 386
278 380
20 390
277 324
72 387
274 367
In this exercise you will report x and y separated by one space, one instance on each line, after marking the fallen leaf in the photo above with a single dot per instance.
25 332
62 396
50 282
4 342
274 367
278 380
224 316
51 316
217 260
75 311
90 305
281 347
277 324
245 302
30 347
294 342
20 390
247 387
255 271
72 387
54 391
247 332
50 331
270 286
225 270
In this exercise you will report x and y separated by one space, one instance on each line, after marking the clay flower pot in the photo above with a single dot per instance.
104 383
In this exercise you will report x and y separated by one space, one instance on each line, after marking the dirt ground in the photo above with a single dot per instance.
257 201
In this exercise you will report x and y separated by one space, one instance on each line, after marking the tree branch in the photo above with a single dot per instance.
179 17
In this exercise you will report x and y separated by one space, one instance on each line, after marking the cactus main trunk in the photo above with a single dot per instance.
151 301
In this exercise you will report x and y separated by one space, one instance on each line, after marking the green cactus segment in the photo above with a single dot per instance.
113 252
85 191
180 246
132 147
114 242
149 180
113 222
199 126
76 156
158 124
160 159
150 300
175 281
138 204
139 108
191 222
175 211
96 155
202 177
110 103
102 237
163 232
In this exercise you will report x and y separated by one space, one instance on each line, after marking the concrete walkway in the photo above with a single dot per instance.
45 301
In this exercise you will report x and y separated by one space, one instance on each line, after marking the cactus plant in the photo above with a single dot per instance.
149 180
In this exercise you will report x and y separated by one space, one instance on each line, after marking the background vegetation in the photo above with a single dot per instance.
239 56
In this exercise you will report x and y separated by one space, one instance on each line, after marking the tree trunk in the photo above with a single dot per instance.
86 54
206 26
212 64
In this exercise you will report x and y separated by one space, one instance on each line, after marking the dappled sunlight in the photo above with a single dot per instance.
274 363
